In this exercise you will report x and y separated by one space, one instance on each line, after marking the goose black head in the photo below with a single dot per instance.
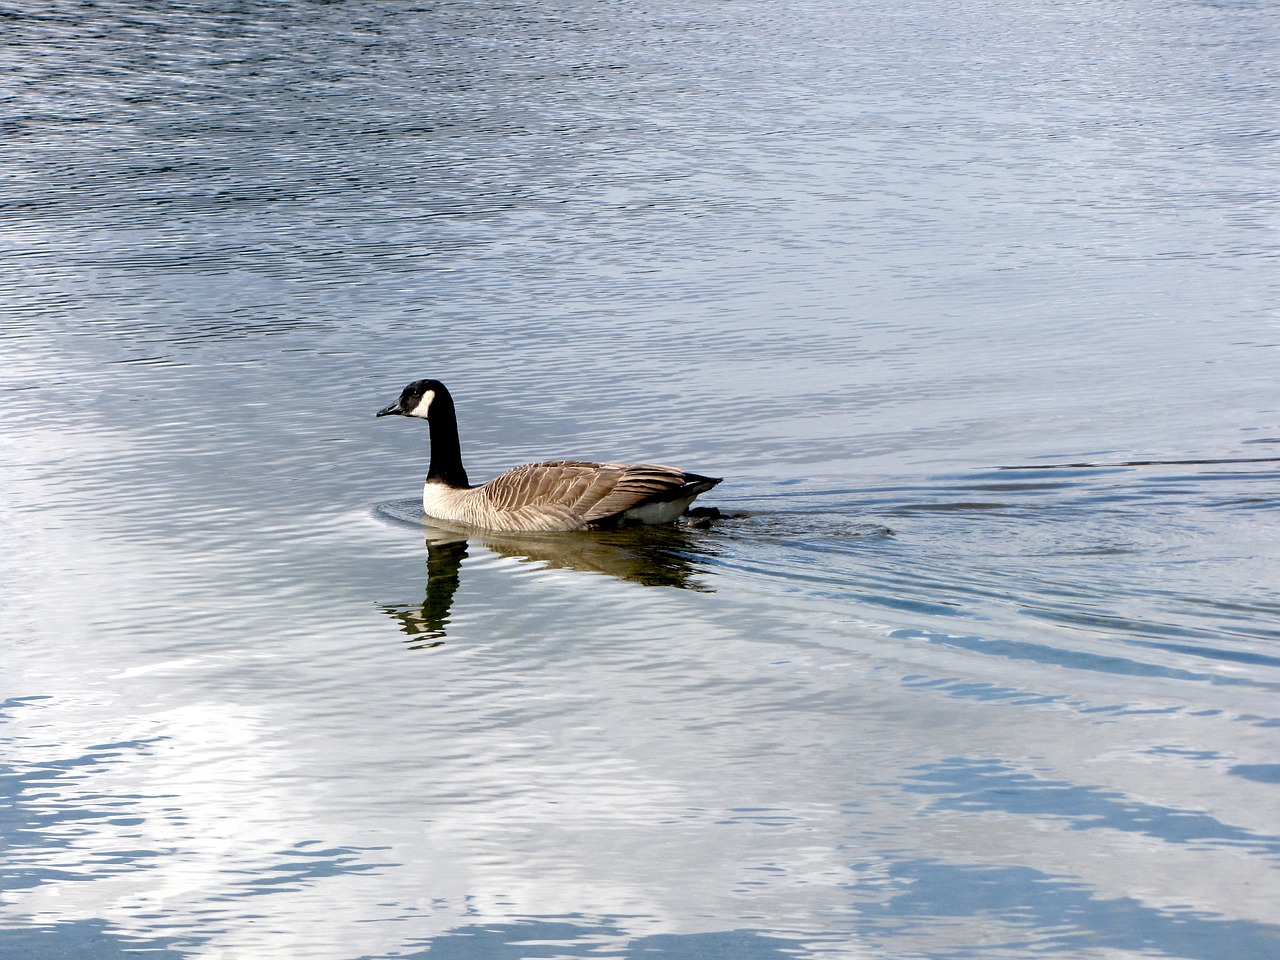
415 400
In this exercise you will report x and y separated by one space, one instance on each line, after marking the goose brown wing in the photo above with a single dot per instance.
564 494
554 495
641 483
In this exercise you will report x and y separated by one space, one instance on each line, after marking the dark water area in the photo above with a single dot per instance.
973 307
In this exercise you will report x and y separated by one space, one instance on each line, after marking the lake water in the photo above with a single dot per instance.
974 306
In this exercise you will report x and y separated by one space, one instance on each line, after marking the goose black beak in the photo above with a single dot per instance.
391 410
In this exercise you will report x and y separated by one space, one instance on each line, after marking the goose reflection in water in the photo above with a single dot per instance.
666 556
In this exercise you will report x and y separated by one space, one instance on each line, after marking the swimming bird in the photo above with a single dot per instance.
548 496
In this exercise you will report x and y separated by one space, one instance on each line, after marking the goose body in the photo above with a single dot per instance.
549 496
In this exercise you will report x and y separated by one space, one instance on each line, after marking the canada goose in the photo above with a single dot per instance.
554 495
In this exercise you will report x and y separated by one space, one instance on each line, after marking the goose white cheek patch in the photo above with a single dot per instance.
423 405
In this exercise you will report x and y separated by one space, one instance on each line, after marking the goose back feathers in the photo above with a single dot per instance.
554 495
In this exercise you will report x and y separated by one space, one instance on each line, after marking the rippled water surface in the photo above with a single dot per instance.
973 306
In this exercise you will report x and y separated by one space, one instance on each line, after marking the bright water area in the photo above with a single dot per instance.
974 306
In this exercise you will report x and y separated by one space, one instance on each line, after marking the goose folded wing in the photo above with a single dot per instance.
564 494
554 495
637 484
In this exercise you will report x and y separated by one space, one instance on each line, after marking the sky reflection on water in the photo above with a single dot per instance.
974 310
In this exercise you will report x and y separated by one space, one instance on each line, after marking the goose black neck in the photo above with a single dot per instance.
446 450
